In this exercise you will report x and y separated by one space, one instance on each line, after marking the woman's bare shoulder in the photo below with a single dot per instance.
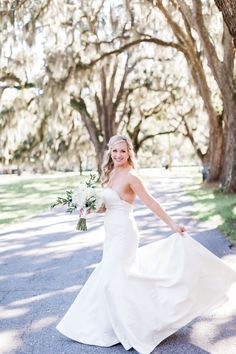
133 175
137 185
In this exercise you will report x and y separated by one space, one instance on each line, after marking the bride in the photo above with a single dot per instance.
140 296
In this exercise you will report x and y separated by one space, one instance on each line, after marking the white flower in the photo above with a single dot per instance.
88 197
98 198
80 195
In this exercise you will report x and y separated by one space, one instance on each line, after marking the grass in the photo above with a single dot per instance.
22 197
210 204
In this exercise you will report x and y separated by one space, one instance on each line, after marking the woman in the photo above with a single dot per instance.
140 296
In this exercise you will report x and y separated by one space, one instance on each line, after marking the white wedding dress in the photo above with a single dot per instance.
140 296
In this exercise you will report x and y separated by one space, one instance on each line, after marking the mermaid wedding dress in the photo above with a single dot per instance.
140 296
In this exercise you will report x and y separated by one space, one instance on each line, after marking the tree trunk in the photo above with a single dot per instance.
191 53
228 9
223 72
229 167
80 164
216 151
99 159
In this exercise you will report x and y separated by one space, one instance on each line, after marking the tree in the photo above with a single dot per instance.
222 124
158 107
228 9
106 98
223 72
142 32
82 62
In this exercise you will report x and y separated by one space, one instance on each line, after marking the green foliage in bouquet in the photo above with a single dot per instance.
67 200
93 181
90 203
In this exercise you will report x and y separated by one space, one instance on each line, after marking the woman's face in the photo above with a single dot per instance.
119 154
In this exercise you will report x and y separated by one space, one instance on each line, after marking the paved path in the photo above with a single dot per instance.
44 264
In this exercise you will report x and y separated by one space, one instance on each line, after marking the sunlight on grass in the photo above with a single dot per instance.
217 220
234 210
24 197
212 205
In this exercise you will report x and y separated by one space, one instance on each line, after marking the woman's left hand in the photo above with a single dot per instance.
179 229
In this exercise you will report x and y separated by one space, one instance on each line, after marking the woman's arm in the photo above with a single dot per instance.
139 188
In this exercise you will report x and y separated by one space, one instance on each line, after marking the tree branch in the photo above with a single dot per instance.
229 52
208 46
83 66
189 134
13 78
79 105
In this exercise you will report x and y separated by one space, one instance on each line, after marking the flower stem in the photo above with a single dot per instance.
81 225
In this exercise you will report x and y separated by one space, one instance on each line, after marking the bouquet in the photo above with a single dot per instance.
86 198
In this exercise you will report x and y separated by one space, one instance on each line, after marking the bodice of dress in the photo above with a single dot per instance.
113 201
121 241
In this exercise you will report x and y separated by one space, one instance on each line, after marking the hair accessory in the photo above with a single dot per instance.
120 140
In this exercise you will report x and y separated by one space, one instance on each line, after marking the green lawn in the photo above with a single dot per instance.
21 197
211 204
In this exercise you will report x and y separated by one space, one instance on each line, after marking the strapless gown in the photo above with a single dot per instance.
140 296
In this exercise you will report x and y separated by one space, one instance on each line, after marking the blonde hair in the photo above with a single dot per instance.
108 165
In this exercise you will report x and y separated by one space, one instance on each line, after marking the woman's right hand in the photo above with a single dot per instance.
102 209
